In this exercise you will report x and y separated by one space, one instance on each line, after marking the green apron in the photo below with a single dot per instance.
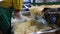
5 19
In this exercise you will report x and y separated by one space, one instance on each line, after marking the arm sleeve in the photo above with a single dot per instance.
17 4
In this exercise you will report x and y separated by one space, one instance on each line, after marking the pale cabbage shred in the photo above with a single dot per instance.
27 27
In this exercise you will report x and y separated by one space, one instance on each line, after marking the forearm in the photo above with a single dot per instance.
17 4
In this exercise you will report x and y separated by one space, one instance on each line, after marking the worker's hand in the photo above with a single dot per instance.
0 32
17 14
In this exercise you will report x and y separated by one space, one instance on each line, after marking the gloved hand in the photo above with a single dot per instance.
17 14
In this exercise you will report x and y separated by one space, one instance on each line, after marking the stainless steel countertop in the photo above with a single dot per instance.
41 32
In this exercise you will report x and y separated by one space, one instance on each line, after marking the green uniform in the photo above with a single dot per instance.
5 19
